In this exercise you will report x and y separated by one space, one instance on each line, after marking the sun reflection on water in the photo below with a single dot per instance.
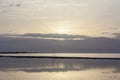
48 69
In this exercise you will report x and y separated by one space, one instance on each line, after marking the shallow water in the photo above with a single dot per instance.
58 69
101 55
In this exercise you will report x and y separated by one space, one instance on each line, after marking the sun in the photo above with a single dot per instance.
62 27
61 30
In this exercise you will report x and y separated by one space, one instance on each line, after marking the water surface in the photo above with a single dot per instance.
99 55
58 69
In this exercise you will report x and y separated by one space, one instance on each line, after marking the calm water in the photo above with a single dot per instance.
59 69
105 55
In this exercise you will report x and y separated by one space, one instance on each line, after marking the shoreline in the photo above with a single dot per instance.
58 57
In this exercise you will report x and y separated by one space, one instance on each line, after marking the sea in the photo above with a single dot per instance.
60 69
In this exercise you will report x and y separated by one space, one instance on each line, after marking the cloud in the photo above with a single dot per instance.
32 43
106 33
65 36
117 35
48 36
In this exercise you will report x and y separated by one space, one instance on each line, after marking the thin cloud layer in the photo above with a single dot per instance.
117 35
64 36
47 36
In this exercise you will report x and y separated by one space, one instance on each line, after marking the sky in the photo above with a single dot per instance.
59 20
84 17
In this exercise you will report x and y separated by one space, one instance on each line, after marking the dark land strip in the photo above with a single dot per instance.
58 57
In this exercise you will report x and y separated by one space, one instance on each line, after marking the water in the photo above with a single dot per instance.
59 69
101 55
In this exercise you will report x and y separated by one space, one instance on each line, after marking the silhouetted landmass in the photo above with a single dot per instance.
13 52
59 52
44 43
57 57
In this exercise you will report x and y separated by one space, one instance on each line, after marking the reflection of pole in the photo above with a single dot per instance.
54 55
53 58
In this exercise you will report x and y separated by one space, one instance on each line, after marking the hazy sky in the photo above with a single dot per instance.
66 25
83 17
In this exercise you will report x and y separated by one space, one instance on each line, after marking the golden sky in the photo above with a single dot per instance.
83 17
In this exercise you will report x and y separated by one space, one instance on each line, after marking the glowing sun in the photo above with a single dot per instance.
61 30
